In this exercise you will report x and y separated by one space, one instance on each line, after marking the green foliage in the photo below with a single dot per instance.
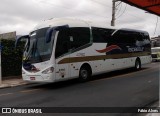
11 58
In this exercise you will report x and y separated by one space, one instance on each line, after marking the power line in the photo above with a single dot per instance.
118 3
122 12
156 26
118 6
134 16
101 3
84 12
119 9
51 4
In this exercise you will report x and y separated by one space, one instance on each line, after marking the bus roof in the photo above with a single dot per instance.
77 23
69 21
62 21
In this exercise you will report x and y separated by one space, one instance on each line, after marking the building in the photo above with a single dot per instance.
10 35
155 41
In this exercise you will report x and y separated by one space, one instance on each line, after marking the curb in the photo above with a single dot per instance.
12 85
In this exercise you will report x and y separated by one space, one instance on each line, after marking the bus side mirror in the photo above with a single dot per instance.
20 38
53 29
49 34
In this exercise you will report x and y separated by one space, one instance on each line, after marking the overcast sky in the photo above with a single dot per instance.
23 15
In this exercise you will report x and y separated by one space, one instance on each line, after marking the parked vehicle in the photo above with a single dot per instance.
155 53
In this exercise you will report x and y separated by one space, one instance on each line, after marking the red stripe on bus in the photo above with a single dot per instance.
109 48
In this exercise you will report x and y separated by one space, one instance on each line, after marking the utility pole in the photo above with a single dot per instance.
113 12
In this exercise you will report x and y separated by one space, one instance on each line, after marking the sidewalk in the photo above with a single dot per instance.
12 83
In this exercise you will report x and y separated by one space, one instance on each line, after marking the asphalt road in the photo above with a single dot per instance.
124 88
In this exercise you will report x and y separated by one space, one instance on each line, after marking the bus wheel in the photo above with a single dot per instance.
84 74
138 64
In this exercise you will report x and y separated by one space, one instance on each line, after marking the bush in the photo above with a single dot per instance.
11 58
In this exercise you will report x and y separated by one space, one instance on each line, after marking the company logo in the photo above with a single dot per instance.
109 48
6 110
135 49
20 111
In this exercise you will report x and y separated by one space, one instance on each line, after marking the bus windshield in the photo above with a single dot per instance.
37 49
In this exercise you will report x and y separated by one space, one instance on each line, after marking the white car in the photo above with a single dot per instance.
156 54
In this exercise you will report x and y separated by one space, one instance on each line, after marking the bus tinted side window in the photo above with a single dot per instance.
101 35
80 36
146 42
124 37
63 43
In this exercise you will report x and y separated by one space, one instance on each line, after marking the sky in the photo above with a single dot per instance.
23 15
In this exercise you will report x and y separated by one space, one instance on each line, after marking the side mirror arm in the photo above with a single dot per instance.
20 38
53 29
49 34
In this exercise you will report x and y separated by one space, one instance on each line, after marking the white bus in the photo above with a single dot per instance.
62 49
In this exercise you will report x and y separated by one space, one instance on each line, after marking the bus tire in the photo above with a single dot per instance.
137 64
84 73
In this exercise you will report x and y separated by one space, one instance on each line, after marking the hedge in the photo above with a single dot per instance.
11 58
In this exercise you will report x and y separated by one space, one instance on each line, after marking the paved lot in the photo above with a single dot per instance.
125 88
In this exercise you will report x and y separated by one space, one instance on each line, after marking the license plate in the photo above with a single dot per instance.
32 78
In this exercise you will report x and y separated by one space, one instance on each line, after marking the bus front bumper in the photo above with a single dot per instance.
38 78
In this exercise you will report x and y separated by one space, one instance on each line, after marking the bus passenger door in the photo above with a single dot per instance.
62 56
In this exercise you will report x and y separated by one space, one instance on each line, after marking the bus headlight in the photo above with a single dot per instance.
48 70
